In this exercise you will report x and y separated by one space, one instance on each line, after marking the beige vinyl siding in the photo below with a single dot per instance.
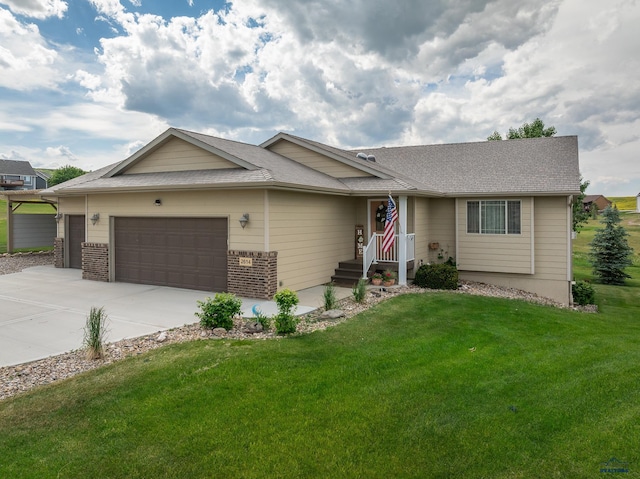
552 237
179 155
421 229
229 204
507 253
70 206
441 218
362 216
316 161
551 233
312 234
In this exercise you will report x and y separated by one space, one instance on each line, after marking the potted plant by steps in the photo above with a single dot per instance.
376 279
388 278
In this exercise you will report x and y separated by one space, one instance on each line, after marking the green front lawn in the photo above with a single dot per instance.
429 385
396 392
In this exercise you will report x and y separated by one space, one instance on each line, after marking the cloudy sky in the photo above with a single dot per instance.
88 82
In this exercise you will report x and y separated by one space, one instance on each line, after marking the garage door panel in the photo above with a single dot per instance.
179 252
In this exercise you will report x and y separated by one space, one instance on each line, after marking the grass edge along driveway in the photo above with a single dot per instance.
428 385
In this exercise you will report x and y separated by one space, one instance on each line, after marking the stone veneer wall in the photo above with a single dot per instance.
58 252
252 274
95 261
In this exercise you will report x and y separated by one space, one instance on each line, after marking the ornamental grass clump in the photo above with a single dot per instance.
329 296
286 301
360 290
94 333
219 311
261 318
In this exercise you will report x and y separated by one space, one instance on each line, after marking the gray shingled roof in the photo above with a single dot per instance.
536 166
16 167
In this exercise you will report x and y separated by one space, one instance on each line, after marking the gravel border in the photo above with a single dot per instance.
20 378
16 262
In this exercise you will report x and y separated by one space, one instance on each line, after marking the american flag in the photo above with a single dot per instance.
389 231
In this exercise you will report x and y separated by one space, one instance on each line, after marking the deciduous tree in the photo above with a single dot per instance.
580 215
535 129
65 173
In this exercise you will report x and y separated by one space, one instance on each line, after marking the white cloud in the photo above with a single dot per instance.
88 135
39 9
360 73
26 62
61 152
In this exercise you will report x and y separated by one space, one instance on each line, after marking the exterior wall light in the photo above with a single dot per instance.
244 219
58 216
95 218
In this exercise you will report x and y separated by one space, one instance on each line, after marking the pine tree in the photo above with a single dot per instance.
610 251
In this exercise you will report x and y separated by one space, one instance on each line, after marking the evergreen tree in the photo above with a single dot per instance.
610 251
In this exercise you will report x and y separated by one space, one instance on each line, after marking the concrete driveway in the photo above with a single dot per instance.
43 310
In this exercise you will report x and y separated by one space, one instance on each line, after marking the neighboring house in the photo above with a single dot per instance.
195 211
17 175
599 201
42 180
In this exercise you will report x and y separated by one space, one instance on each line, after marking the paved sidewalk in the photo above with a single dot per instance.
43 310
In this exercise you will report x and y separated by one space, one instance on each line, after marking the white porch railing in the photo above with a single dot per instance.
373 253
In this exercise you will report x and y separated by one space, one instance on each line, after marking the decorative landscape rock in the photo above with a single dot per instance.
332 314
162 337
253 327
219 332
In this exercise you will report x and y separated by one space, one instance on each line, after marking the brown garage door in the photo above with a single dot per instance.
180 252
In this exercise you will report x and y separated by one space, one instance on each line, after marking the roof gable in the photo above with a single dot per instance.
177 150
330 161
179 155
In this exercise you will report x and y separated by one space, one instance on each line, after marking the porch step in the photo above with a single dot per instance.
348 273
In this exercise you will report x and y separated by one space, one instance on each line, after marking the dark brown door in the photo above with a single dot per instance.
179 252
76 236
378 214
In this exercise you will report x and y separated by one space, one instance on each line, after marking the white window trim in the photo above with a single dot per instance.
506 216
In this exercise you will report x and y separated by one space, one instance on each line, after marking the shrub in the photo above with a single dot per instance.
360 290
329 296
94 332
583 293
219 311
286 322
437 276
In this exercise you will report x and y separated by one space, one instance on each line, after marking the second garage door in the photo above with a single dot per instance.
180 252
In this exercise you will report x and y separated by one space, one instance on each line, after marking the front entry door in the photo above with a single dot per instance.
377 215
